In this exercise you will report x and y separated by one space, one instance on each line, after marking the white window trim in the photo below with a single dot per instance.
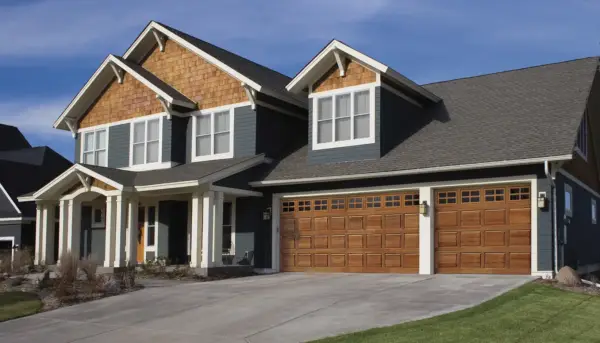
211 112
150 248
146 166
82 143
12 240
583 128
102 223
351 142
594 210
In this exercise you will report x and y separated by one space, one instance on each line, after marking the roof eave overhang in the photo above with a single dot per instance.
484 165
325 58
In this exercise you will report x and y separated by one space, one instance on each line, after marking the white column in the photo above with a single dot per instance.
38 233
217 228
208 213
132 232
196 230
426 233
109 238
63 226
48 228
120 230
74 227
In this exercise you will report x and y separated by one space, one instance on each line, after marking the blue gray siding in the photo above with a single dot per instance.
178 139
249 220
167 143
172 221
352 153
244 140
544 227
278 134
580 247
118 145
77 157
11 230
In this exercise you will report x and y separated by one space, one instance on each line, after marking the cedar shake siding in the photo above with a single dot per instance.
128 100
194 77
355 75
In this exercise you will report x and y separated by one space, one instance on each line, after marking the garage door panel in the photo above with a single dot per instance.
321 242
355 260
374 241
355 223
338 241
304 224
355 241
288 225
393 260
337 223
374 260
411 261
393 222
321 223
411 240
338 260
484 230
393 241
374 222
303 260
411 221
321 260
304 242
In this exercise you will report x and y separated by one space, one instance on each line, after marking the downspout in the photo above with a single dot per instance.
548 173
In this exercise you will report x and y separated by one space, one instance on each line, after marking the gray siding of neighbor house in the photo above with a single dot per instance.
544 235
11 230
6 206
118 145
278 134
351 153
582 236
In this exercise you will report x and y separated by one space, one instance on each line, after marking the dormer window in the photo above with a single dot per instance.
343 117
94 147
146 142
581 145
213 134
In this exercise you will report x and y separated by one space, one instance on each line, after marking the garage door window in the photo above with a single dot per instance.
338 204
374 202
392 201
470 196
411 199
304 205
519 193
321 205
494 194
287 206
355 203
446 198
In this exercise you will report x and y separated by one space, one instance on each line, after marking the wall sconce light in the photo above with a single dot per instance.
267 214
423 208
542 200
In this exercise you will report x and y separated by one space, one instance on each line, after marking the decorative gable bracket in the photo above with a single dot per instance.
118 72
251 93
160 39
341 62
85 180
167 106
72 125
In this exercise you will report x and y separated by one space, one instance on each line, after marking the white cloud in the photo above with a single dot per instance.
33 116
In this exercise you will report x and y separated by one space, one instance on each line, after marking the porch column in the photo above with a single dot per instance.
196 230
426 233
63 227
48 231
120 230
132 232
208 214
109 238
74 227
217 228
39 209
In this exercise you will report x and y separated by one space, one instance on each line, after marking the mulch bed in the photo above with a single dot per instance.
583 288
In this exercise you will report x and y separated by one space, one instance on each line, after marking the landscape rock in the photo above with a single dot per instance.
112 286
15 281
568 276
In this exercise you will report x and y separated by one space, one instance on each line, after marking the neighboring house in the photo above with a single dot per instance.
22 169
189 152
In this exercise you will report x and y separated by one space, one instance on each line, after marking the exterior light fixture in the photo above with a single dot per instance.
423 207
267 214
542 200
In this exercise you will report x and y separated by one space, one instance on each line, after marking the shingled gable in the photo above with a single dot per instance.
113 68
335 53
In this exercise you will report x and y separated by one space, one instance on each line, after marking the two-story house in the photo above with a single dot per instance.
189 152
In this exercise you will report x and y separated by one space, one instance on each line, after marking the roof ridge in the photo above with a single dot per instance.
511 70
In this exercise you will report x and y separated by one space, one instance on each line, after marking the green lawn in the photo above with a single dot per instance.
531 313
18 304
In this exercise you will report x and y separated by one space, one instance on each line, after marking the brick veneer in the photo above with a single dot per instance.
356 74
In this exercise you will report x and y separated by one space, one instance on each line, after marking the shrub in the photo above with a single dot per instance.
89 266
23 261
6 263
66 275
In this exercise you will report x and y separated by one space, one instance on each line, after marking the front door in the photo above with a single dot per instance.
140 235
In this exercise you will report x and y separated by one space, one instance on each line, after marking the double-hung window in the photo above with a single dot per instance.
581 145
145 144
344 118
94 147
213 135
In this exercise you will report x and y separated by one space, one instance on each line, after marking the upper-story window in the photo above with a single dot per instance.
343 118
581 146
94 147
213 134
145 141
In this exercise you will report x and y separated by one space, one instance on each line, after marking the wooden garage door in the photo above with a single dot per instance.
354 233
483 230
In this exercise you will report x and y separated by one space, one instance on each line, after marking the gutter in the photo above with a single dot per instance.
549 175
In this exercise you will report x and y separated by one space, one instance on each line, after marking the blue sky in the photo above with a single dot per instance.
49 48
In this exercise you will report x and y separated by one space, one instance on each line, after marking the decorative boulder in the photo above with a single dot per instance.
568 276
112 286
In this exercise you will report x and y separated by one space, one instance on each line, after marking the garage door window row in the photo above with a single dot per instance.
351 203
490 195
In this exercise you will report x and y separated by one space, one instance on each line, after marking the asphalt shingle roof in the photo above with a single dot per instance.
519 114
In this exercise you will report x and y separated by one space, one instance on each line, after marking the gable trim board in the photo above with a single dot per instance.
410 171
426 222
106 75
3 190
244 80
17 219
326 57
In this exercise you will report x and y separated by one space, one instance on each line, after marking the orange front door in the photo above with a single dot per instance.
140 235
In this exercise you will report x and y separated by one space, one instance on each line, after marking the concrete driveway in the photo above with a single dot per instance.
285 307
